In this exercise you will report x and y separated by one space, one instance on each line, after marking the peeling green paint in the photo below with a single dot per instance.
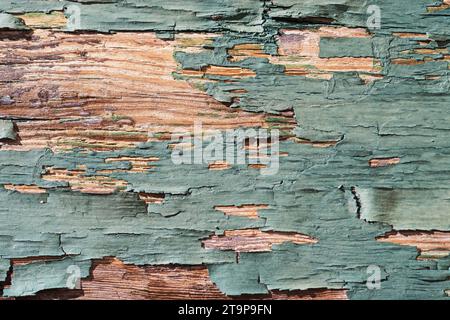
8 21
345 47
404 208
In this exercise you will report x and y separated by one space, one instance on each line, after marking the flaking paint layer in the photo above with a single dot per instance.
331 193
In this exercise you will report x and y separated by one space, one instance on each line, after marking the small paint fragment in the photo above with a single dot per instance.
254 240
383 162
7 130
249 211
219 165
24 188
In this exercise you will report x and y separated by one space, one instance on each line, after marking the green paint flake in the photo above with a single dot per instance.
8 21
406 209
7 130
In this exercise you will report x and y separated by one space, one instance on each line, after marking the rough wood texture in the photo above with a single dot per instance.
92 93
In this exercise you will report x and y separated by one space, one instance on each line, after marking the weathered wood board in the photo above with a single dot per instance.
354 99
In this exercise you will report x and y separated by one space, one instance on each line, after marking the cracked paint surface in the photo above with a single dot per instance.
85 153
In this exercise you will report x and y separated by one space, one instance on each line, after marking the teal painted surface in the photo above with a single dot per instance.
404 114
86 227
8 21
37 276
